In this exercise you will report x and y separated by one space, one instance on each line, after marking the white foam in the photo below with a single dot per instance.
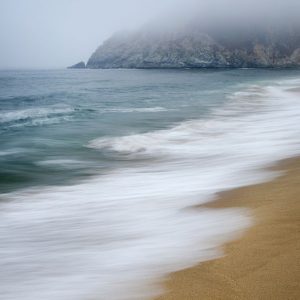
13 151
107 237
243 128
63 163
113 237
34 113
136 109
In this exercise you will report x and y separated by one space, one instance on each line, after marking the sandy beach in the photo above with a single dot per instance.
265 262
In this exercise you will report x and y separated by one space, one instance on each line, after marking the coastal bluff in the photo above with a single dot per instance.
195 47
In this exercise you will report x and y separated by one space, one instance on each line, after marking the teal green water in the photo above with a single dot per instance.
48 117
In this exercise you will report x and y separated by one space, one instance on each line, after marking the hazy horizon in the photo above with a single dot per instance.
58 33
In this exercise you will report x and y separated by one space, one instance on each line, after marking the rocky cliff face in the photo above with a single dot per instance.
196 48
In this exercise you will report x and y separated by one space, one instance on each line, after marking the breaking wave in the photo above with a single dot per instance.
34 114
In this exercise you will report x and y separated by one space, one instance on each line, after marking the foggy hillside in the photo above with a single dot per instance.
222 34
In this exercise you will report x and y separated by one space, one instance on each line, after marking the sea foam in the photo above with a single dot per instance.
114 236
36 116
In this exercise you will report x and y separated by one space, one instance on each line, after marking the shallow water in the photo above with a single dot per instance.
97 168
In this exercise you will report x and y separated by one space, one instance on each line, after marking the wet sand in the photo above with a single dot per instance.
262 265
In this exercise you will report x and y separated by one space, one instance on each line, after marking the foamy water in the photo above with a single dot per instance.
116 234
33 113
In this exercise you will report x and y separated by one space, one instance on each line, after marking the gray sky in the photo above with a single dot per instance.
58 33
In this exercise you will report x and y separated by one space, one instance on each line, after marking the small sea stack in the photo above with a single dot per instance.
80 65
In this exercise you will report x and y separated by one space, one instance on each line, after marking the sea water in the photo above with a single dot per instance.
101 170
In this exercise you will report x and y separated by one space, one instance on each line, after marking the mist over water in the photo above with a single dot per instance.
99 170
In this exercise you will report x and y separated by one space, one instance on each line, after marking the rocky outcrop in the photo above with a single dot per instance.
196 48
80 65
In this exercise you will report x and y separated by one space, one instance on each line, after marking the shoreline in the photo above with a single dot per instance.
262 264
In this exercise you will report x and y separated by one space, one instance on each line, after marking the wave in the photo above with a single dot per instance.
126 229
13 151
36 116
28 99
34 113
121 231
62 163
258 116
58 113
135 109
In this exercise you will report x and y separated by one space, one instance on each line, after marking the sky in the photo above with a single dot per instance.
60 33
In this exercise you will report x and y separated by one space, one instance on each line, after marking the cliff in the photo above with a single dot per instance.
196 47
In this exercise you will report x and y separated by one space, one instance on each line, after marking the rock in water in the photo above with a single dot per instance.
80 65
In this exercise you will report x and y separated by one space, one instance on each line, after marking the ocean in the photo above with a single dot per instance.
100 171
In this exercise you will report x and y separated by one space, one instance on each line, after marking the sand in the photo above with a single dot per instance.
265 262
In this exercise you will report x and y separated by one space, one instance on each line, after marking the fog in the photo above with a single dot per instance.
58 33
